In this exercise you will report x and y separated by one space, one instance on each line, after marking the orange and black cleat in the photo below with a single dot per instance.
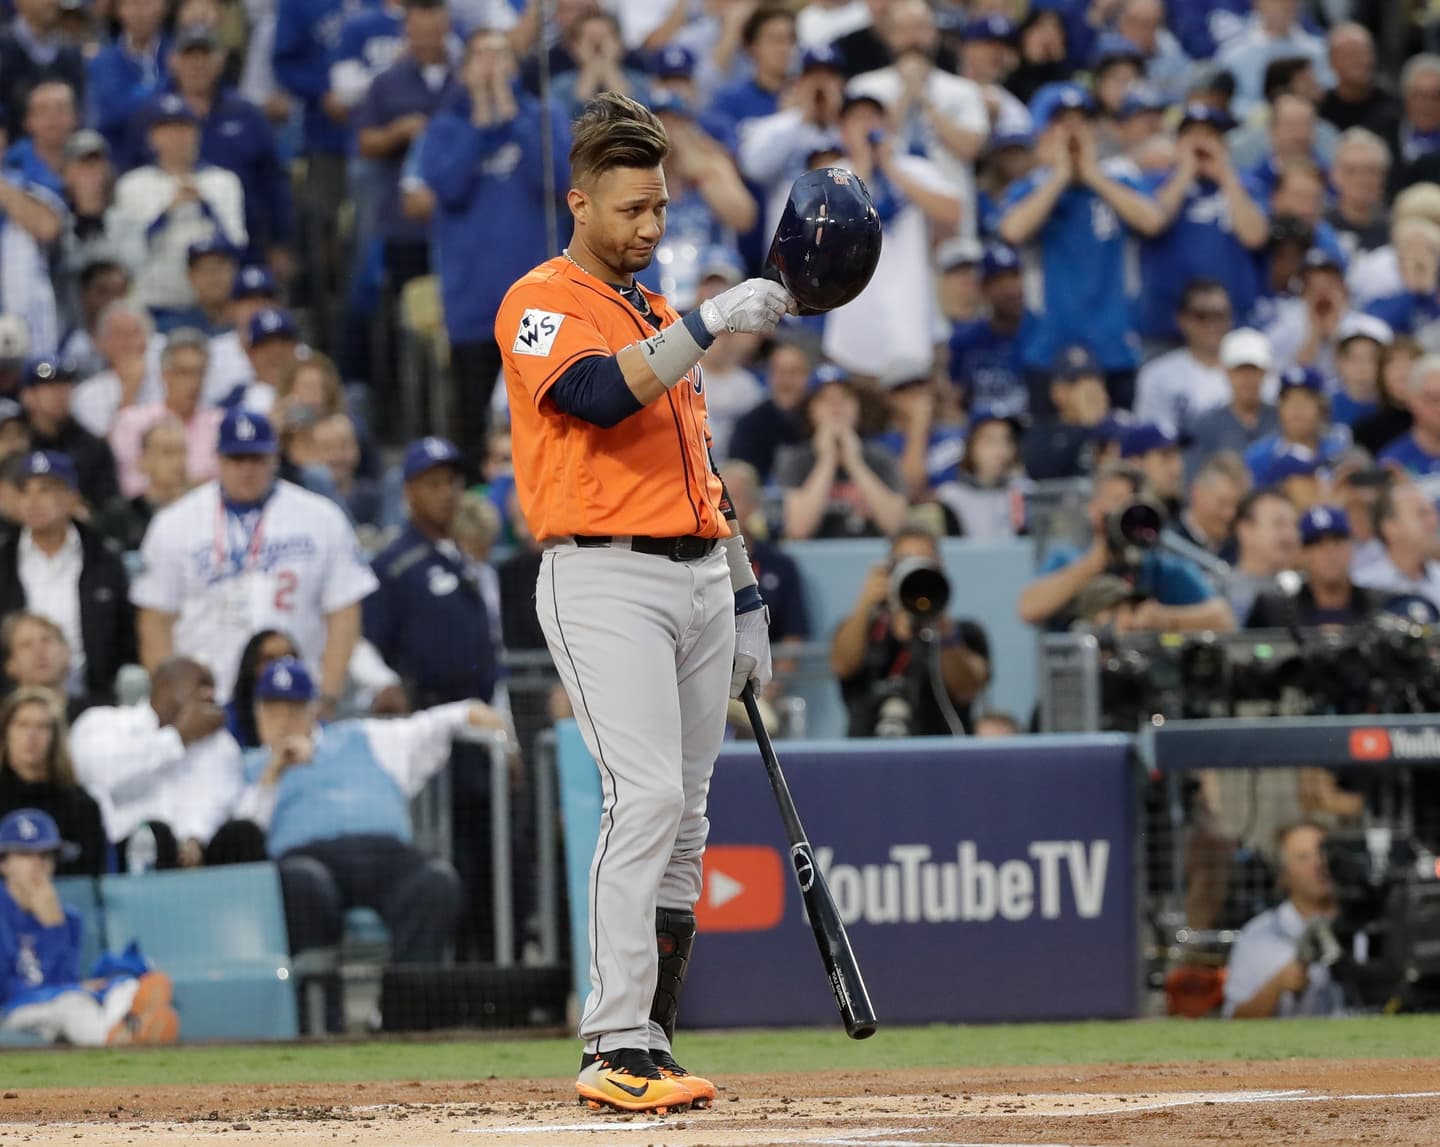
629 1080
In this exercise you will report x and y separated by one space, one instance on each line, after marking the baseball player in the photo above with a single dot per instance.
40 986
247 552
645 593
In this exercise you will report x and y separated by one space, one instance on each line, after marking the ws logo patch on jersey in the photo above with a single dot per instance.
537 332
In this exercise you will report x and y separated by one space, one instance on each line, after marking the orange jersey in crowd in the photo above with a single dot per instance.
648 475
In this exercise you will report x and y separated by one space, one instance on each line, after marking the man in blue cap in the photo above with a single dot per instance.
985 353
335 805
1327 596
254 289
271 341
210 265
41 990
61 569
1058 447
47 386
1079 217
1303 413
1155 448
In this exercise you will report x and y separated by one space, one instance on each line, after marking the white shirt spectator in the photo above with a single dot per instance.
26 289
817 25
1247 56
640 18
1382 573
227 367
257 76
958 100
96 401
301 562
772 154
1265 945
888 330
1374 275
52 589
156 236
1177 386
1289 329
139 770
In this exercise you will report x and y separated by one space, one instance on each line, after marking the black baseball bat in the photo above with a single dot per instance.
840 965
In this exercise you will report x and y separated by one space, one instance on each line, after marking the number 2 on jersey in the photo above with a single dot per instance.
285 583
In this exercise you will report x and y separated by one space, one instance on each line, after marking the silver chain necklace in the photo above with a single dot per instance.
643 306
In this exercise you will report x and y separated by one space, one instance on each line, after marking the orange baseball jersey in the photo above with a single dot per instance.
651 473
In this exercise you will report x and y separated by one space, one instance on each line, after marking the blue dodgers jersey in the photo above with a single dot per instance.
1406 451
985 364
1082 249
36 962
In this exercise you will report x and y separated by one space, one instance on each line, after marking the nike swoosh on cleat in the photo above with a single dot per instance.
637 1092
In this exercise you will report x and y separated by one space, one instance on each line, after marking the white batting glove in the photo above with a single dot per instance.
755 307
752 650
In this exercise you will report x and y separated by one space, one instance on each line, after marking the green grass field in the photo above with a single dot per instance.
1153 1041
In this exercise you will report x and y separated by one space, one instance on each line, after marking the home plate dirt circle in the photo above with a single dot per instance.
1395 1103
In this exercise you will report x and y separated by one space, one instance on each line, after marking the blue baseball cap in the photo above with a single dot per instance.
427 453
171 108
49 464
1302 378
673 61
1139 438
31 830
1296 462
984 412
1142 98
822 56
286 679
825 374
1077 361
1207 114
272 323
1111 429
1025 140
992 27
1056 99
45 370
1113 48
1323 522
999 258
254 283
216 244
1320 259
662 100
1413 608
244 433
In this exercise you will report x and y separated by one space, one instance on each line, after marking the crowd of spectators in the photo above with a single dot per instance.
1186 253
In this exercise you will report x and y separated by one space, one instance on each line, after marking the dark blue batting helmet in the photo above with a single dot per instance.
828 241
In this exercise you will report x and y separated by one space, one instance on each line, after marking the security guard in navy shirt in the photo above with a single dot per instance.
429 619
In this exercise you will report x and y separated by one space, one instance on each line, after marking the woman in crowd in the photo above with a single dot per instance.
1393 418
983 496
36 772
266 646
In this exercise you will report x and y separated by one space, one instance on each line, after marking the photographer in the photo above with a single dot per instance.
1172 594
1327 596
879 653
1273 969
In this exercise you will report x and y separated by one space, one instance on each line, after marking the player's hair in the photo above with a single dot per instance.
59 768
14 621
615 131
756 21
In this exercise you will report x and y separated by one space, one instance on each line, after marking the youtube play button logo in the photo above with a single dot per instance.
744 889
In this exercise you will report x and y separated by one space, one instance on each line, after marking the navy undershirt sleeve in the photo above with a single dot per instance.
594 389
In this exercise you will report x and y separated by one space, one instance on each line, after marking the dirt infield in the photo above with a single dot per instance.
1391 1102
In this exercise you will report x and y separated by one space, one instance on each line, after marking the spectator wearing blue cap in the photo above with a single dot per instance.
1137 135
933 112
1180 385
1306 329
162 208
1273 32
1154 448
1078 218
235 136
1246 417
335 804
1217 225
271 341
1406 524
210 268
254 290
33 50
1303 416
985 353
1418 451
1327 596
63 570
594 43
47 387
1267 535
779 419
1058 445
987 58
1117 65
127 72
483 158
1170 593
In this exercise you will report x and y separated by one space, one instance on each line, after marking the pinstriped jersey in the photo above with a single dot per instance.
651 473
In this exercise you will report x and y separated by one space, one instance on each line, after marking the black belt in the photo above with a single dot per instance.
686 549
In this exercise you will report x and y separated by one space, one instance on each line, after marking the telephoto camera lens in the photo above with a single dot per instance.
920 587
1138 525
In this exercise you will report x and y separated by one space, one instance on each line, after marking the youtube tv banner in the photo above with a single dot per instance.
978 880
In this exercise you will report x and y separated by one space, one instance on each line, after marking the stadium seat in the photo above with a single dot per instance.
220 934
82 893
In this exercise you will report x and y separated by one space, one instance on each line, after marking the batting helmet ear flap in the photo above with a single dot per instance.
828 241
